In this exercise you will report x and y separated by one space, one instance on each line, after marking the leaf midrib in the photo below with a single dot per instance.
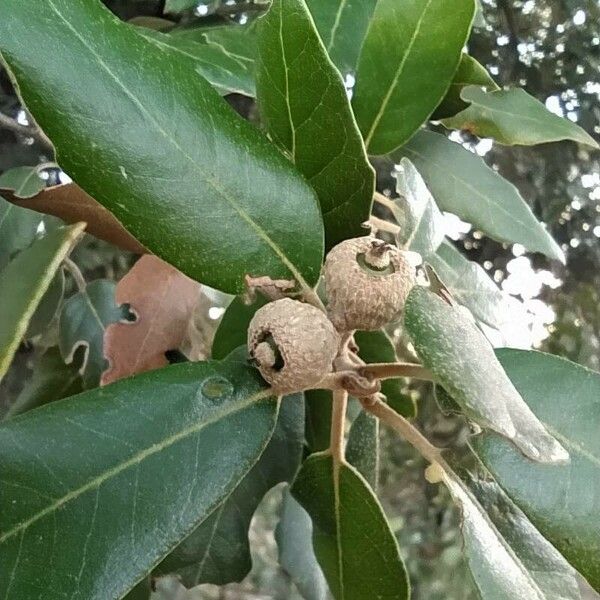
397 75
135 460
261 233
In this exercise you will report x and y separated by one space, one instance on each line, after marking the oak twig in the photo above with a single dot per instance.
76 274
338 425
394 370
34 132
410 433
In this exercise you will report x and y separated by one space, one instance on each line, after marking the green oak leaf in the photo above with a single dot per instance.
377 347
342 26
362 450
513 117
51 379
23 283
563 502
318 419
452 347
25 182
224 56
18 229
90 482
472 287
126 98
420 220
218 551
507 556
352 540
408 59
469 72
293 535
232 331
311 120
82 323
463 184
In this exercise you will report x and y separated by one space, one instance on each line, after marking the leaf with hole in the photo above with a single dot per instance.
23 283
452 347
162 300
82 323
563 502
352 540
84 513
513 117
182 199
218 551
408 59
312 120
463 184
469 72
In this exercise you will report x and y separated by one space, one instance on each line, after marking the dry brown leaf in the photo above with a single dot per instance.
71 204
163 300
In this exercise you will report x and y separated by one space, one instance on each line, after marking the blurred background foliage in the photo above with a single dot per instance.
552 49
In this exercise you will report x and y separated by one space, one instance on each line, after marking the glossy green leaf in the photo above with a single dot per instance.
420 220
89 483
352 540
362 450
469 72
472 287
463 184
25 182
48 307
51 379
18 228
514 117
563 502
232 331
342 26
311 119
409 56
318 419
376 347
507 556
293 535
82 323
449 344
218 551
23 283
225 56
163 144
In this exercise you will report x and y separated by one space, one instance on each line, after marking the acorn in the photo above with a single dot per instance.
367 282
293 344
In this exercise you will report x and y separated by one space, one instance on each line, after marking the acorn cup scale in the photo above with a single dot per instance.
367 282
293 344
